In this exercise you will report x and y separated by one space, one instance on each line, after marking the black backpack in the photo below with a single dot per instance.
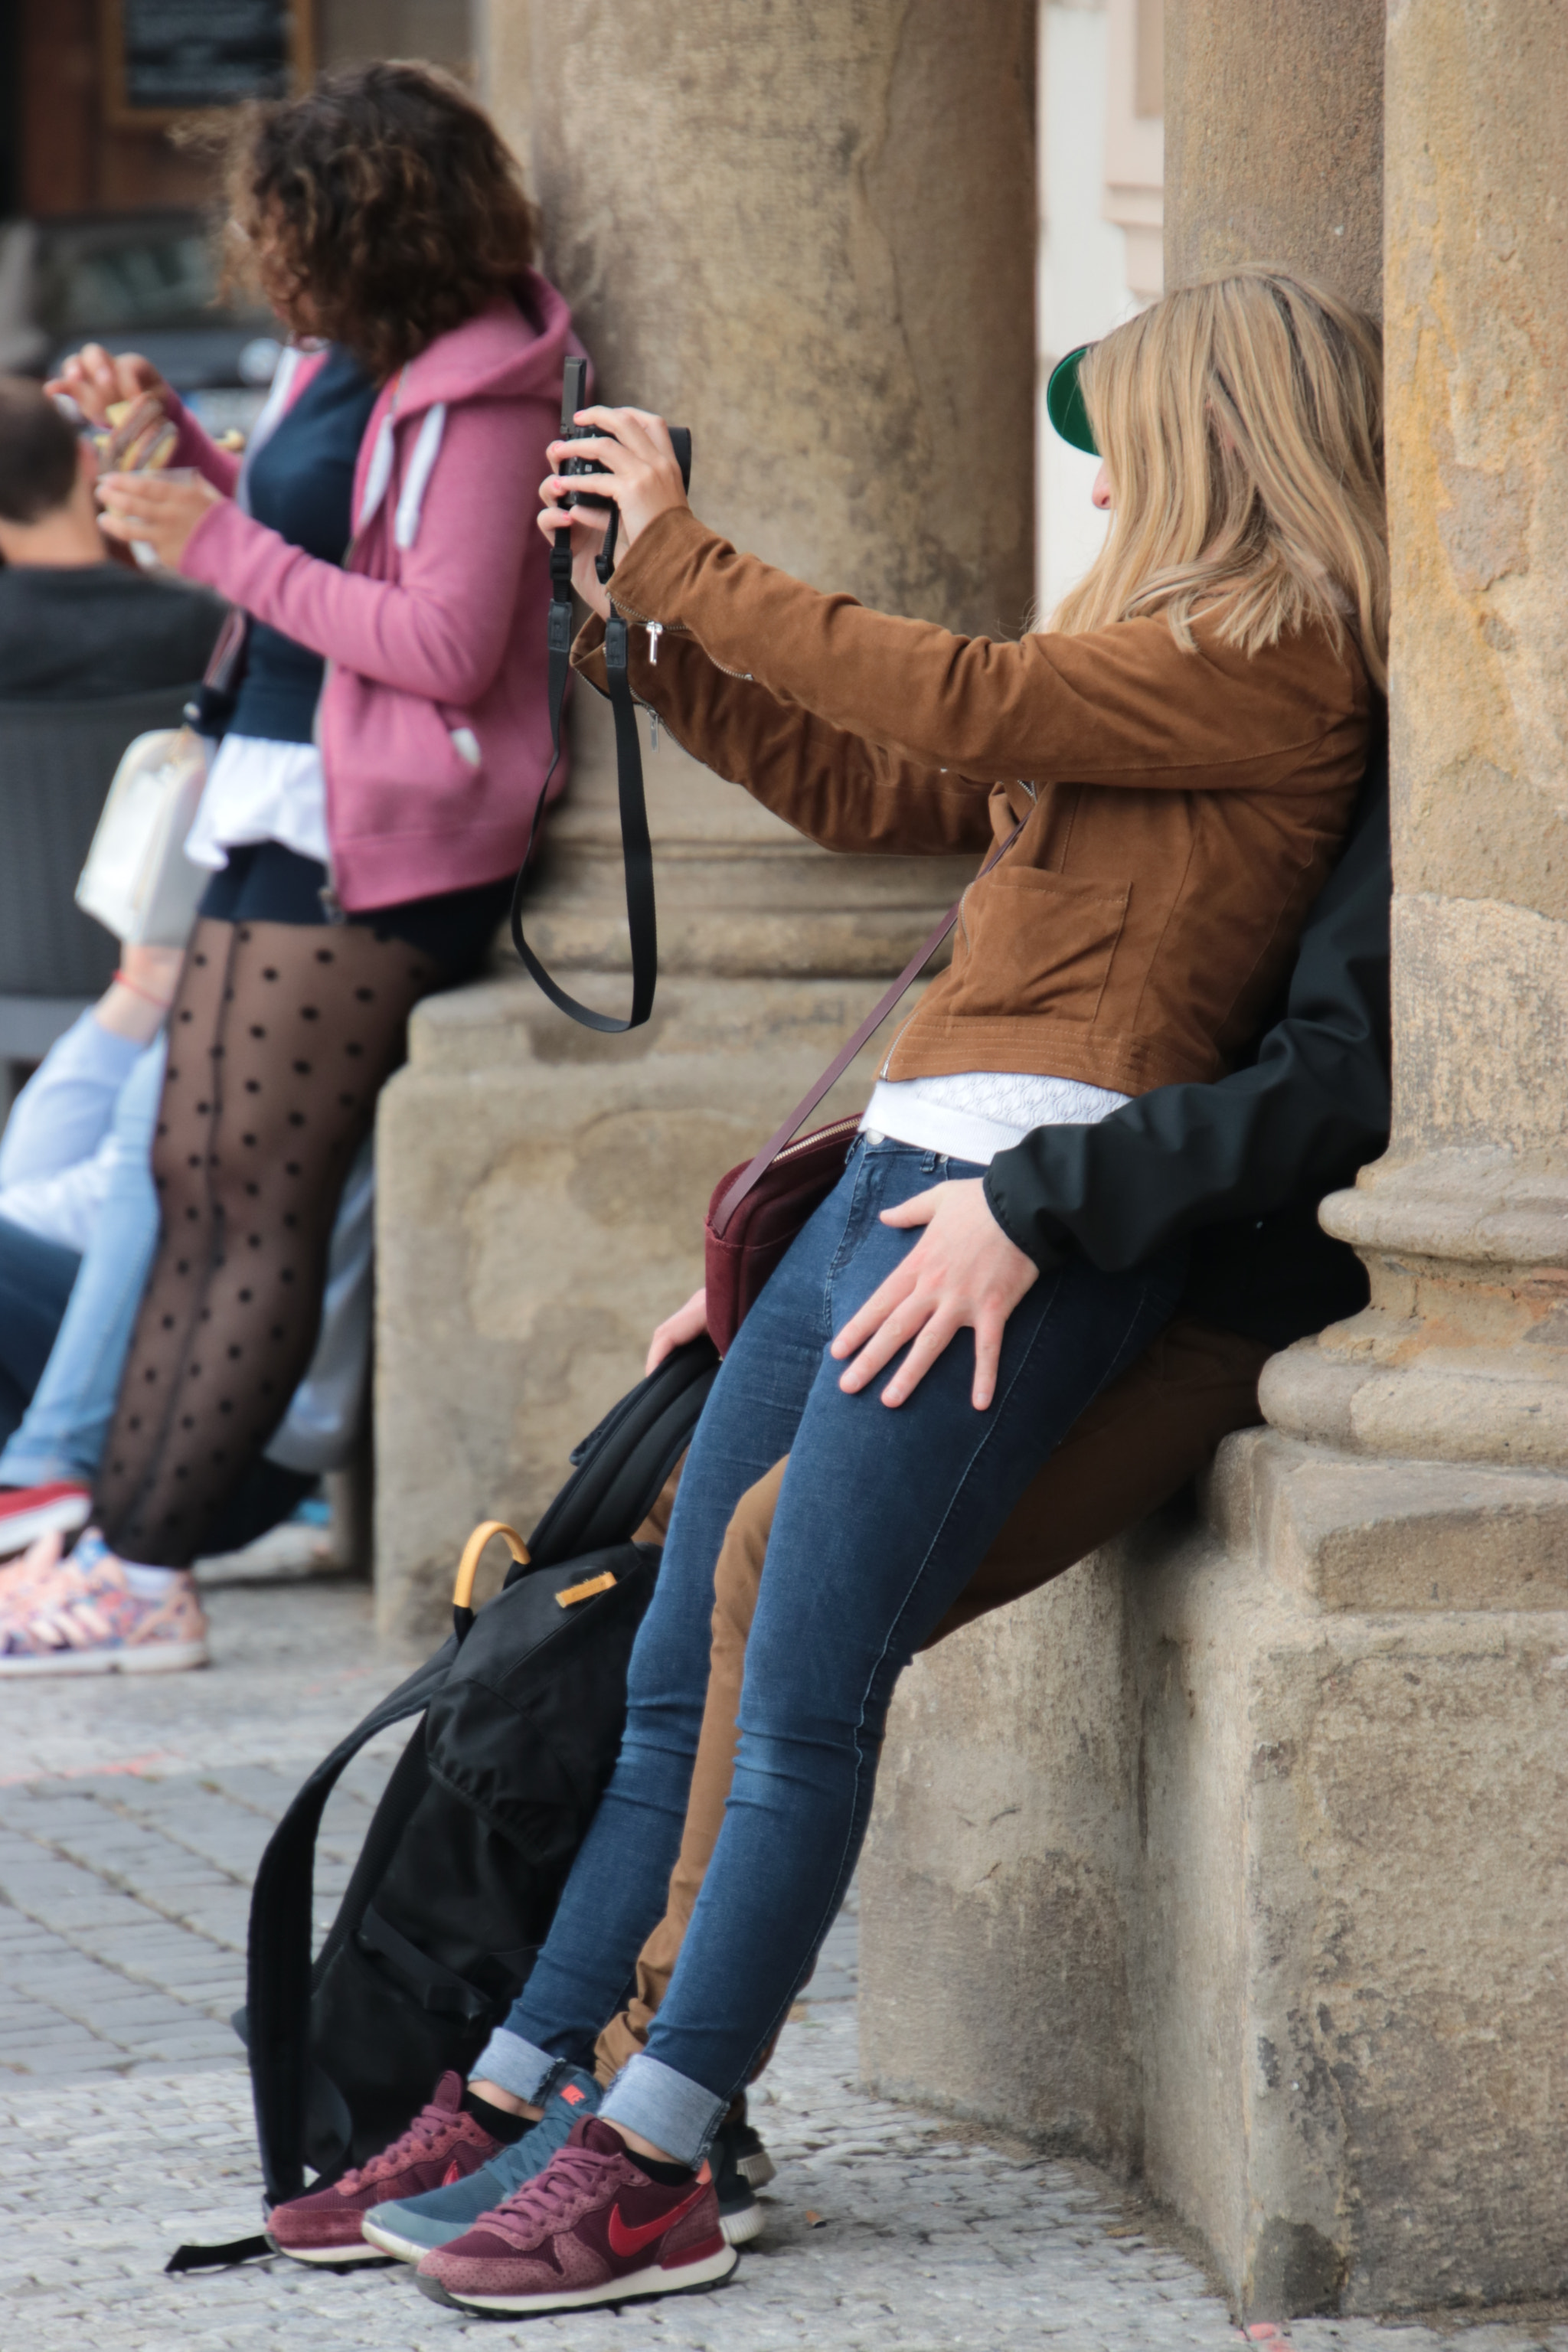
465 1858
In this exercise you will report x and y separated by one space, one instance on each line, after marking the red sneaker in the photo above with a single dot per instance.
443 2144
591 2228
28 1512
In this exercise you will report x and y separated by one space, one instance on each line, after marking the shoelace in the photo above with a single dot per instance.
422 2133
553 2199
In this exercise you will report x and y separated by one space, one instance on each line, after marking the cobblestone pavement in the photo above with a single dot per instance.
131 1813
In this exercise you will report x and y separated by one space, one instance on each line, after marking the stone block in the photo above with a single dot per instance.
1240 1857
541 1196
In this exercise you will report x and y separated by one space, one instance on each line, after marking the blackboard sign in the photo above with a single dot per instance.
169 57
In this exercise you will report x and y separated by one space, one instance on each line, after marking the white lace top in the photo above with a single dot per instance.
975 1114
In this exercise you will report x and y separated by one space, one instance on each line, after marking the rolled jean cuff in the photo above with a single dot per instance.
514 2065
19 1468
677 2113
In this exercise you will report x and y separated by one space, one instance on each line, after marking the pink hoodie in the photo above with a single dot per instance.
434 722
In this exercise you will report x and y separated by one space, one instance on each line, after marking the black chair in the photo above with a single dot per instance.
57 761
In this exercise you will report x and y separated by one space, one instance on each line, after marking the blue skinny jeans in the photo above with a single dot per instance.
883 1519
63 1431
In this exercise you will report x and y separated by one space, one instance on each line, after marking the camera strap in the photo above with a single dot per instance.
637 850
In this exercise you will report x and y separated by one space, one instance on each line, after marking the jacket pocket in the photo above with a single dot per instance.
1036 944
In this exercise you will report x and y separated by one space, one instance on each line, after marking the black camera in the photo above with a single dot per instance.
574 396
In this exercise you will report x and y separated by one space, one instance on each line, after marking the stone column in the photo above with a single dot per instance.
1274 140
1239 1857
806 234
1464 1225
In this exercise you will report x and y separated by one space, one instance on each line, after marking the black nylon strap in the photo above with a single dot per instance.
218 2258
637 850
437 1989
278 1994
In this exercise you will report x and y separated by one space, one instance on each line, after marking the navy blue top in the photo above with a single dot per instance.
301 485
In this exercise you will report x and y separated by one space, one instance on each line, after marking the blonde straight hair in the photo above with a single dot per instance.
1240 419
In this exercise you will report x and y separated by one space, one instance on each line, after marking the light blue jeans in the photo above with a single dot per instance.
65 1427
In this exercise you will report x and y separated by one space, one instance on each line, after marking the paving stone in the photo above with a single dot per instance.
129 1822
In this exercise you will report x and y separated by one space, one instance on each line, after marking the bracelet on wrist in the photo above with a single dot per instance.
164 1003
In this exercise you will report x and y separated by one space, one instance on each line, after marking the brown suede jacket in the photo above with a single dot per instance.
1181 810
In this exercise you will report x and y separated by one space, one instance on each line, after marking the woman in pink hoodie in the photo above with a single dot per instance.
372 794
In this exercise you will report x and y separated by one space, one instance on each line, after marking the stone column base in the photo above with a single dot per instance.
1240 1858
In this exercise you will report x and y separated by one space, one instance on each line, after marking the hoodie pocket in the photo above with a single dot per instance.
1035 945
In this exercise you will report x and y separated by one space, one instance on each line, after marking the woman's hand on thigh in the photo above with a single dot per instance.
962 1271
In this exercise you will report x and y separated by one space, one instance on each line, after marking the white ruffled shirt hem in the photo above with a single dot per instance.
260 791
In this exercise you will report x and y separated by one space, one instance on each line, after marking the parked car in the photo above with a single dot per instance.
138 281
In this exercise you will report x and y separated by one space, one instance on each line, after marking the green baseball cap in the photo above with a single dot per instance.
1064 402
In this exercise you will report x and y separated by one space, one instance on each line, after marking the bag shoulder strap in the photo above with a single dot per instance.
209 708
754 1172
279 1958
637 850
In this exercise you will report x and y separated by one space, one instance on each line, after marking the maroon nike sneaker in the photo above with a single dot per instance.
443 2144
591 2228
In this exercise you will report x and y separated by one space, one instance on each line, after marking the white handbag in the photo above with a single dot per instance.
137 881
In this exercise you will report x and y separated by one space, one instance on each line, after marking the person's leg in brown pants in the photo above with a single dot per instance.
1138 1443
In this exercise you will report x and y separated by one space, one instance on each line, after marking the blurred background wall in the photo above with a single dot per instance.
60 151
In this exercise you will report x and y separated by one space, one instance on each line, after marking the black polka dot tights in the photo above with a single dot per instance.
279 1040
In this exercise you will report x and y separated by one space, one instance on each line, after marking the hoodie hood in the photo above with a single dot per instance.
506 352
512 351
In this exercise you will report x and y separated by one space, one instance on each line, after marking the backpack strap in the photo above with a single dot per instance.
278 1971
467 1568
621 1466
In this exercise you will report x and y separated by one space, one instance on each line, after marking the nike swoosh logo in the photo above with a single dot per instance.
627 2240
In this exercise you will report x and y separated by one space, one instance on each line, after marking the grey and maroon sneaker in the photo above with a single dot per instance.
443 2143
592 2228
412 2226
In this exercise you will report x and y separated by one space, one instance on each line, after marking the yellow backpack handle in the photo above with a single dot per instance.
463 1590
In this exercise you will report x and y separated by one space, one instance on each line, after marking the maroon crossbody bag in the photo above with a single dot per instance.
760 1205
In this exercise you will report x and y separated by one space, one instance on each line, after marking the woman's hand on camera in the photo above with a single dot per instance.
687 1322
95 379
641 461
964 1270
161 509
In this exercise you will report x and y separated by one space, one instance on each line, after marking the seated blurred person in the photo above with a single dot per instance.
73 621
79 1225
57 1155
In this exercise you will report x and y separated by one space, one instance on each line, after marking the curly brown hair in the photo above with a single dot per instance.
379 210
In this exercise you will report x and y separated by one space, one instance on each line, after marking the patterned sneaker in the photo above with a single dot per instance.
742 2166
444 2142
28 1512
409 2226
22 1580
592 2228
83 1618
